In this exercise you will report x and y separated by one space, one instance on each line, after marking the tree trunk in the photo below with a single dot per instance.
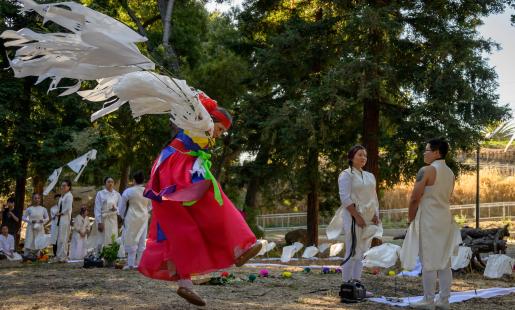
170 57
371 135
38 184
250 205
312 167
312 200
19 197
217 169
22 150
124 175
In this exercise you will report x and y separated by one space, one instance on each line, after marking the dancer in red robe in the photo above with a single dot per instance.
195 228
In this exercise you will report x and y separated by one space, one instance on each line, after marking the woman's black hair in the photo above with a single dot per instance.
83 210
352 153
69 183
139 177
439 145
107 178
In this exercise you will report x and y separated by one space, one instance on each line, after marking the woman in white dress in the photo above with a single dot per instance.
359 213
106 215
80 230
64 217
35 216
53 223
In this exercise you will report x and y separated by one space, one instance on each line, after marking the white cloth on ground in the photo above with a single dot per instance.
384 256
415 272
498 265
455 296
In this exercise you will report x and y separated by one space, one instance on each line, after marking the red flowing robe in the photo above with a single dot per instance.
196 239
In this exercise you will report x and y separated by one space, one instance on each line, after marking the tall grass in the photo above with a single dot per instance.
494 187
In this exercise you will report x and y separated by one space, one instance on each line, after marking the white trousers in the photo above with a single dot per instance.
353 268
134 252
429 279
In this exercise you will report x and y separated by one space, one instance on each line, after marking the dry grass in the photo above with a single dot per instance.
494 187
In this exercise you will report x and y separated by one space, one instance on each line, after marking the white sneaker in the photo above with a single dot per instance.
423 304
442 304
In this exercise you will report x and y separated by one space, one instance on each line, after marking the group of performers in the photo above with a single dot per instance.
195 228
132 207
432 235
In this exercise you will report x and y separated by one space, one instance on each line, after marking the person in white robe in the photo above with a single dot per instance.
134 210
7 245
64 216
359 212
106 216
36 217
78 246
432 235
53 223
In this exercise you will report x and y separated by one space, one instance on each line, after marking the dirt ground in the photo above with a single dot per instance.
68 286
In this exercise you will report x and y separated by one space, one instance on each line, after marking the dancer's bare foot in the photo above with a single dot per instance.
191 296
253 251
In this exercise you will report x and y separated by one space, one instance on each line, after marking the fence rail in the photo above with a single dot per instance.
488 212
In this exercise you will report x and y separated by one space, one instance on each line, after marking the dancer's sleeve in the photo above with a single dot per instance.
122 203
344 188
98 208
26 217
45 217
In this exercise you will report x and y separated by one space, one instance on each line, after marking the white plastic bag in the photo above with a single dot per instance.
384 256
298 246
264 245
310 251
335 249
288 252
270 246
323 247
498 265
462 260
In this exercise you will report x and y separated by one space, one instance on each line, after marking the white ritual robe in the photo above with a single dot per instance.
433 233
134 210
63 225
36 217
53 224
359 188
7 248
106 212
78 246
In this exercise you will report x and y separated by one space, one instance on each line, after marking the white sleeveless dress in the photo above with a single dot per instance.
433 232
